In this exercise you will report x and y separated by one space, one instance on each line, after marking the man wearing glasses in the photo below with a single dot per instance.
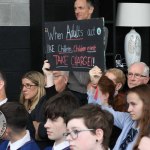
138 73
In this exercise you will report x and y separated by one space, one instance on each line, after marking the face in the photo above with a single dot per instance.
144 144
82 10
133 80
135 106
86 140
55 129
60 81
29 89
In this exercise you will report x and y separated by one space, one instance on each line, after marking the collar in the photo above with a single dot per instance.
61 146
3 101
21 142
135 126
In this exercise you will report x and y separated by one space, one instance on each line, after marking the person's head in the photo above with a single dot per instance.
138 99
2 80
33 84
83 9
89 128
57 110
106 90
144 143
3 85
16 118
60 80
138 73
117 76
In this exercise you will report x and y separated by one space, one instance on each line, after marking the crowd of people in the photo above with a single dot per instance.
62 110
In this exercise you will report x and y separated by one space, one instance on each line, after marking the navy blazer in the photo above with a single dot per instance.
51 148
31 145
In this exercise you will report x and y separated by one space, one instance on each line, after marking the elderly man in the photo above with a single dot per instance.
138 73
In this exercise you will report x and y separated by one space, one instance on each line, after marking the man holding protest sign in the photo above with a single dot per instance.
77 46
78 81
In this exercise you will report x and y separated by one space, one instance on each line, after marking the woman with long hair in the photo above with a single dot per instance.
134 124
33 90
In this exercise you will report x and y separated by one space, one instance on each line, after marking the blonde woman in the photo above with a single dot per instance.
33 90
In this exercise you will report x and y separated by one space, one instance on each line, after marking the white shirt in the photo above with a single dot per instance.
61 145
3 101
21 142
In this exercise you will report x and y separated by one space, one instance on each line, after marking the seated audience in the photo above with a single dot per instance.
57 110
16 136
56 82
89 128
118 78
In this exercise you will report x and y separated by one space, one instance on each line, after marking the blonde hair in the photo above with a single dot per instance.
38 79
120 76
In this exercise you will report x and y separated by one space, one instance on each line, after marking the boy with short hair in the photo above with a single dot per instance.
57 110
16 136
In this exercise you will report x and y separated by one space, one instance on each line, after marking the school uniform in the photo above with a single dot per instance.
62 146
123 121
25 143
3 101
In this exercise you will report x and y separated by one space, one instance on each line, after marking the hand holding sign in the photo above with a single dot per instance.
95 75
75 45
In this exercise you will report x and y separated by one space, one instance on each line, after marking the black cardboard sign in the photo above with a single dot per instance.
75 45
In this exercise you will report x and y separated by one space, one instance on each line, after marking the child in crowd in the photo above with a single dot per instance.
134 124
16 136
57 110
89 128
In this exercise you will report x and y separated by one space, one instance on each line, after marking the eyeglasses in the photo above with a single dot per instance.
27 86
136 75
74 133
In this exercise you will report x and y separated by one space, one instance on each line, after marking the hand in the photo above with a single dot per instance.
46 68
95 75
48 74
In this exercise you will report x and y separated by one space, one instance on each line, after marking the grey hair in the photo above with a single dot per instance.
65 73
146 68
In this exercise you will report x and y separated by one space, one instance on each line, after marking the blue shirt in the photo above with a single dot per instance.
91 98
124 121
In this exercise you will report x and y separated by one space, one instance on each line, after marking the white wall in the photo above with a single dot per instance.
14 13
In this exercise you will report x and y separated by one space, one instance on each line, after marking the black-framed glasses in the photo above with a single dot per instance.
74 133
27 86
136 75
